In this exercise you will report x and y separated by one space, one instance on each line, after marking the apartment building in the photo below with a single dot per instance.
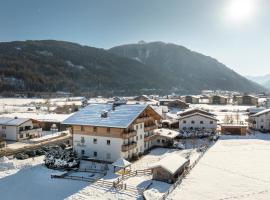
108 132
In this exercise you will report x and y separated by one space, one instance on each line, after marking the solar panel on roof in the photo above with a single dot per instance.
120 117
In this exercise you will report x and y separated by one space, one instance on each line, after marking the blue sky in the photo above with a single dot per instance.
201 25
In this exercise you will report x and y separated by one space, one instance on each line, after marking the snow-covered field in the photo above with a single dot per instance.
236 167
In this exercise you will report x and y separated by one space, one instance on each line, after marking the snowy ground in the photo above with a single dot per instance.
30 179
236 167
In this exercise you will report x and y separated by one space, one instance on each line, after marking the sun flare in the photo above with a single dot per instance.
240 10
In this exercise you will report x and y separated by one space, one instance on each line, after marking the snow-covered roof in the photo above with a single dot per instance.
120 117
166 132
195 110
121 162
12 121
4 120
261 113
170 163
197 113
17 121
52 117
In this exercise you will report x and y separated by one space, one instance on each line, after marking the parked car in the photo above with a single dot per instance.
21 156
178 145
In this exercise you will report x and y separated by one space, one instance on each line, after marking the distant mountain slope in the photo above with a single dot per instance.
188 71
263 80
64 66
49 66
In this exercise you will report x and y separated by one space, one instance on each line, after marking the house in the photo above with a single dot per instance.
164 137
260 121
233 129
17 129
107 132
246 100
218 100
175 103
192 99
194 119
169 168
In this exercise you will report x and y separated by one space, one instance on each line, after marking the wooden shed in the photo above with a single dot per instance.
169 168
234 129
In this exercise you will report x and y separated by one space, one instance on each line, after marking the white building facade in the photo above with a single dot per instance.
260 121
16 129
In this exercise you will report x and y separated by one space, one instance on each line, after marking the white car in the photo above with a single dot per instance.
179 145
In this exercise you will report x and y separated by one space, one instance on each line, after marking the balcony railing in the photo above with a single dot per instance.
143 119
149 137
31 131
151 127
127 147
129 134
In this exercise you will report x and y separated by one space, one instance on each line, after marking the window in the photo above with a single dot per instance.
21 135
163 141
108 142
108 156
201 122
184 121
108 130
82 152
140 136
95 154
27 134
158 140
211 122
95 140
136 127
95 129
140 126
192 122
82 140
137 138
4 127
82 128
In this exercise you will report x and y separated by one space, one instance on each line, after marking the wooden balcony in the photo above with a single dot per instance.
127 147
149 137
143 119
149 128
130 134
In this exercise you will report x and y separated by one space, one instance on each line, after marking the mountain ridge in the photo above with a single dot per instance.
50 66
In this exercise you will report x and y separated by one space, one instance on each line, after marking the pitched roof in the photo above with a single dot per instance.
121 162
197 113
13 121
170 163
194 110
261 112
121 117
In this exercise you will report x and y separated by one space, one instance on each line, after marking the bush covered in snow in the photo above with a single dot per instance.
61 159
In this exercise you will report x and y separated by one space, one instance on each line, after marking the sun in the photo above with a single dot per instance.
240 10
